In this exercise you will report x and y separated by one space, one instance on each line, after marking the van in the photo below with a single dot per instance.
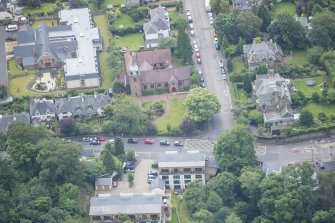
11 28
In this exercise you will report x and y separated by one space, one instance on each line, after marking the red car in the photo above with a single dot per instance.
198 60
148 141
100 138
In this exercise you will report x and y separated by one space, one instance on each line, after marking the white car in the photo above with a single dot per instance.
191 26
111 141
210 15
211 21
192 33
188 12
224 77
196 48
221 63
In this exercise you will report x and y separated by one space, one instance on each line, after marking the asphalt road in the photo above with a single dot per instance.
210 58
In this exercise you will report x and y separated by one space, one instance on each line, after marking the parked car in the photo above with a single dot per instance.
148 141
203 84
189 18
196 48
191 26
114 183
197 55
100 138
224 77
202 79
153 172
95 143
86 139
150 181
223 71
192 32
211 21
188 12
210 15
217 46
221 63
164 143
111 141
214 34
178 143
133 141
11 28
198 60
129 167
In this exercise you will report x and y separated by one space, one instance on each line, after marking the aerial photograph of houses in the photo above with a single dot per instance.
167 111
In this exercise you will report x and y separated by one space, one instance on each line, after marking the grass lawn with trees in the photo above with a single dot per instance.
131 41
284 7
239 94
113 2
301 85
49 22
175 117
46 8
299 58
317 108
125 21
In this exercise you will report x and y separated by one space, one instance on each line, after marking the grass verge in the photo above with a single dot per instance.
175 117
317 108
299 58
238 65
101 22
284 7
18 86
124 20
113 2
49 22
46 8
107 74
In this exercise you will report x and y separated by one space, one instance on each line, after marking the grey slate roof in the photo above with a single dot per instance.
6 120
26 34
211 162
82 105
126 205
261 52
181 157
157 183
105 180
158 21
164 75
42 106
246 4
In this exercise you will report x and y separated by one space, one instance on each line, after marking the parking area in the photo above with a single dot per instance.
140 181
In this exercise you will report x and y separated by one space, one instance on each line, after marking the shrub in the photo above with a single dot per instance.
131 179
67 126
121 31
187 126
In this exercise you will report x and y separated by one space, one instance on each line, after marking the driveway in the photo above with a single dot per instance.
224 120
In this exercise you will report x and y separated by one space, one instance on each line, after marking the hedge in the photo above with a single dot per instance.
297 132
126 30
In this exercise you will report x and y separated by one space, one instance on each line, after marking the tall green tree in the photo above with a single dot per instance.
184 49
287 32
69 197
118 147
248 25
249 179
226 26
233 218
181 23
214 202
314 54
6 204
108 162
220 6
59 162
323 32
194 196
203 216
201 104
306 118
128 116
235 149
264 14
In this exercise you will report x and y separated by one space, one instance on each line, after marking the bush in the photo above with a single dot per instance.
67 126
126 30
155 91
139 13
131 179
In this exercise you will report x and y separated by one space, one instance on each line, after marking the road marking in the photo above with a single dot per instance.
260 150
199 144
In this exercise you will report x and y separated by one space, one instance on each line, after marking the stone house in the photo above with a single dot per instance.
42 110
257 53
152 70
6 120
157 28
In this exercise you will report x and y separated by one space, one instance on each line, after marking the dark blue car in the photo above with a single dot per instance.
217 46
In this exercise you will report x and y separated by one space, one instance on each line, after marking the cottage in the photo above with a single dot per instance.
140 208
272 94
157 28
6 120
42 110
243 5
105 182
87 105
150 70
266 53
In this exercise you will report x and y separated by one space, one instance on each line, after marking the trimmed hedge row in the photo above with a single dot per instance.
297 132
126 30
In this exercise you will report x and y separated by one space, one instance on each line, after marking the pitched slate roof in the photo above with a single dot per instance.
262 52
82 105
154 56
115 205
6 120
165 75
246 4
42 106
26 34
159 20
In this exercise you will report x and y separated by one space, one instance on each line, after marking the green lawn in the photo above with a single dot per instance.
49 22
239 94
18 86
308 90
46 8
124 21
114 2
173 15
317 108
238 64
299 58
13 69
284 7
101 22
181 208
175 117
107 74
174 218
131 41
